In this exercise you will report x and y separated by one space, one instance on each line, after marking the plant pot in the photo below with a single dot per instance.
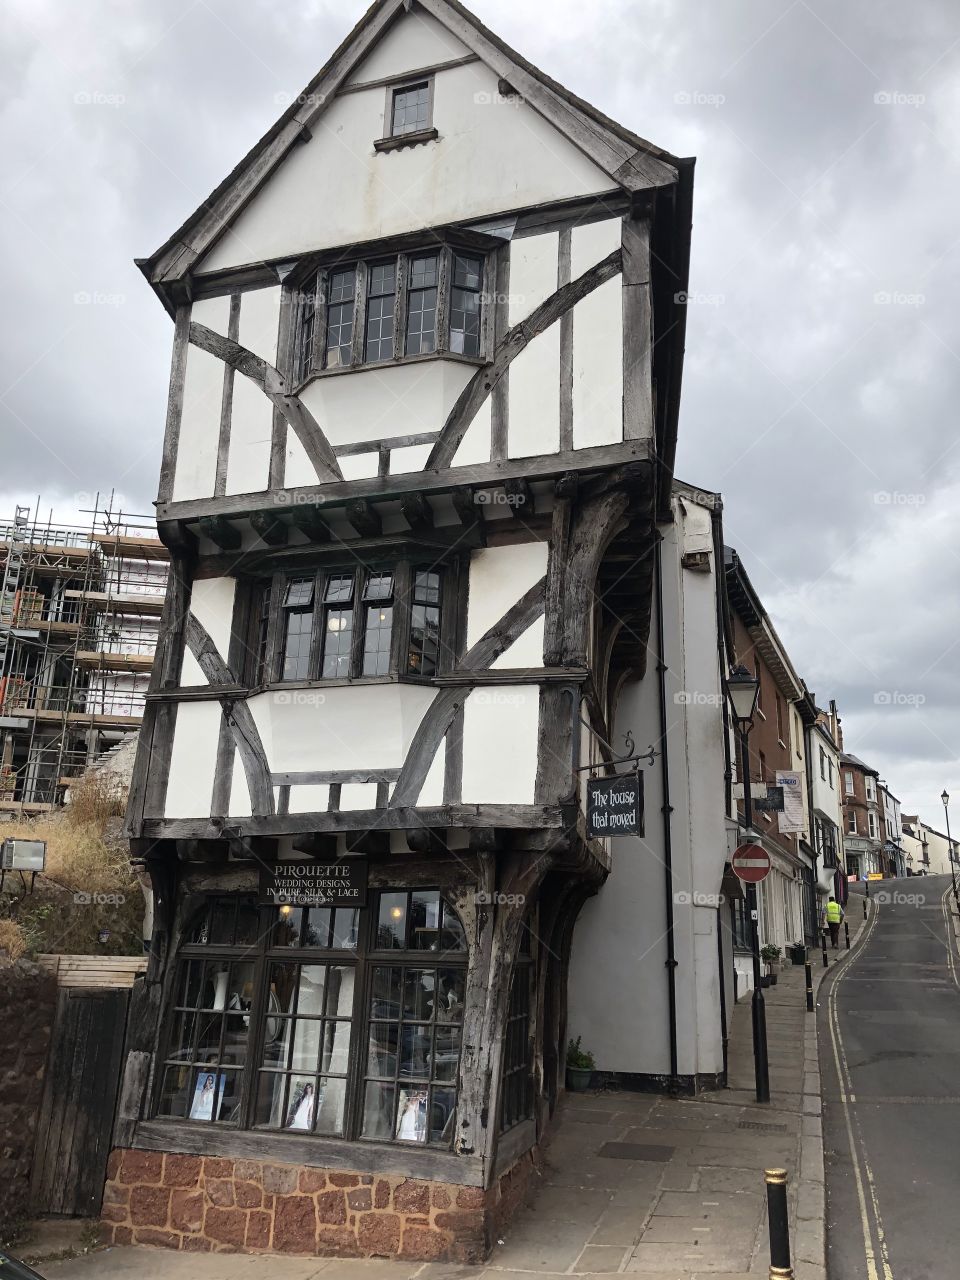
798 955
769 980
578 1078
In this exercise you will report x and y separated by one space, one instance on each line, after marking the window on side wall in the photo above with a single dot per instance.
411 108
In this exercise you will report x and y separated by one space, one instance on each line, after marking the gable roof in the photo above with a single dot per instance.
631 162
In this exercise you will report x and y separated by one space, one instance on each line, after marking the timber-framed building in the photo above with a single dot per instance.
421 427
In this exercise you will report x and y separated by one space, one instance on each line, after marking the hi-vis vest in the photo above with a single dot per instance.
834 914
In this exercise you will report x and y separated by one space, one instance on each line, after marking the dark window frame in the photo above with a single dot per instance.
265 642
517 1086
310 355
424 87
262 955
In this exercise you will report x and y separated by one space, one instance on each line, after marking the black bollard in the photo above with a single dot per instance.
864 908
780 1265
808 973
823 944
846 933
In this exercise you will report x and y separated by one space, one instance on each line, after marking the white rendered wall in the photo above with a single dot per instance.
499 576
534 397
211 603
193 760
411 44
199 435
598 366
469 173
500 727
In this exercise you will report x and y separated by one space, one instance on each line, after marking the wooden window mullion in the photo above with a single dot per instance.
318 626
402 608
274 630
400 308
317 359
359 623
488 305
443 299
360 315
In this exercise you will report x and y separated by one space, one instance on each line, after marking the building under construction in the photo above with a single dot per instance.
79 612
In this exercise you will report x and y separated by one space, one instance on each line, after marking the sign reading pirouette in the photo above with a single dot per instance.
315 884
751 863
615 805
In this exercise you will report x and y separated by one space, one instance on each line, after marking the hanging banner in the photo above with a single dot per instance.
791 817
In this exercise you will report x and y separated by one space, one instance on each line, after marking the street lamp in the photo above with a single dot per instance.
743 689
945 797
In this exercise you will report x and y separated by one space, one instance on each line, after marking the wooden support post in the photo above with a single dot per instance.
270 528
417 511
364 518
307 519
219 530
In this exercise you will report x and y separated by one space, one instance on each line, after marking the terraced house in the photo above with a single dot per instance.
422 416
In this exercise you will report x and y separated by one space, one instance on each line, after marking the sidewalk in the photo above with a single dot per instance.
667 1189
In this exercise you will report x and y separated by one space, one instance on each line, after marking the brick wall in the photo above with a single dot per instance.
28 999
206 1204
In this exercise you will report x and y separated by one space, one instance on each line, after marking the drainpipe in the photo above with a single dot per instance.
666 811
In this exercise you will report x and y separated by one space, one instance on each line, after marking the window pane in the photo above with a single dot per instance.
424 919
306 1044
426 587
340 303
443 1104
424 640
337 644
415 1054
453 938
298 635
385 1001
411 109
339 588
418 994
380 305
318 927
270 1094
331 1100
277 1036
378 1106
392 926
382 1050
467 271
376 640
379 587
299 593
346 926
451 985
422 305
446 1057
412 1115
464 322
313 981
175 1094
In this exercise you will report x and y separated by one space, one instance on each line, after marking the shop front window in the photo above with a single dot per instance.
338 1022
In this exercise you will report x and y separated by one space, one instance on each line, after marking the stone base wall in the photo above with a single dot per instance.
207 1204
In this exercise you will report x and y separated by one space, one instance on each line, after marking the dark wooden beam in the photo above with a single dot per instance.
364 518
270 528
375 842
316 845
427 840
417 511
306 518
220 530
469 510
520 502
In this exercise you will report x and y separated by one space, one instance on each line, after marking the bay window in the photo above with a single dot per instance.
343 1023
407 305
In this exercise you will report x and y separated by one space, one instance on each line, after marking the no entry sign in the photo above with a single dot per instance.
751 863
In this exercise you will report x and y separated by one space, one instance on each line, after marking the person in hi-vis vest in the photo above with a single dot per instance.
834 916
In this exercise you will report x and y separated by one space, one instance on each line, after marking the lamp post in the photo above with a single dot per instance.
743 689
945 797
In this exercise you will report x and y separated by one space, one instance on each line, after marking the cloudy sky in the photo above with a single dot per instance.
823 355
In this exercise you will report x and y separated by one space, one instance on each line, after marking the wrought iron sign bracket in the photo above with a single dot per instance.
632 756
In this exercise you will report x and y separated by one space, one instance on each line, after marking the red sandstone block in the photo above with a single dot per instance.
295 1224
113 1212
219 1191
196 1244
122 1235
423 1245
336 1242
114 1193
150 1235
141 1166
181 1171
186 1210
331 1208
415 1222
269 1202
471 1198
381 1195
312 1180
412 1197
344 1180
225 1226
113 1163
279 1179
360 1198
248 1195
247 1170
441 1198
216 1168
378 1234
149 1206
258 1230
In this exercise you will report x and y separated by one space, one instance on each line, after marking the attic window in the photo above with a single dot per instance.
411 109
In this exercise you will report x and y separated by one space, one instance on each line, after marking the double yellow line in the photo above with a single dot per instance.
878 1259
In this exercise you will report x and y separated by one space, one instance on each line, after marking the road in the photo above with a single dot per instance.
888 1023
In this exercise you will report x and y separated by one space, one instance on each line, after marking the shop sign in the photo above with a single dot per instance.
315 884
615 805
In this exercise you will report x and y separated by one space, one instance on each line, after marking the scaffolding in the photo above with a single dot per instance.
79 615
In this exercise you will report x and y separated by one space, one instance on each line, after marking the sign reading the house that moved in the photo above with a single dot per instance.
315 884
615 805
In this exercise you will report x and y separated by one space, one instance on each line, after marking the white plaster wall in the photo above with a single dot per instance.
431 792
533 273
526 650
386 400
499 576
469 173
359 727
240 806
534 397
358 795
476 443
211 603
251 420
412 43
310 798
591 242
298 469
196 465
500 744
193 760
598 366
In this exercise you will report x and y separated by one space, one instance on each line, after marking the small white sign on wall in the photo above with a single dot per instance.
791 817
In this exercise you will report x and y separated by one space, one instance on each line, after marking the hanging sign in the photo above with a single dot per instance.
615 805
315 884
791 817
751 863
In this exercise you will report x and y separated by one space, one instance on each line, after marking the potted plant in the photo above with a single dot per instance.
770 955
798 953
580 1066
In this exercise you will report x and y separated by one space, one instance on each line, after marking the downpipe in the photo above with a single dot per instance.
666 811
